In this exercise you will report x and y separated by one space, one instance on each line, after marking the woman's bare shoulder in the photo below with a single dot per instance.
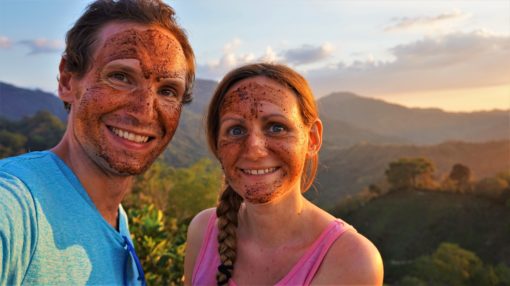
351 260
199 223
196 233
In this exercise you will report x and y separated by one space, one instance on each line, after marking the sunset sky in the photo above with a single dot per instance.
453 55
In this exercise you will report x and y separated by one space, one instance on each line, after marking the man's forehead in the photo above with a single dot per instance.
151 37
156 48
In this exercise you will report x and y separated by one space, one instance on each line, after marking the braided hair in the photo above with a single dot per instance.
230 202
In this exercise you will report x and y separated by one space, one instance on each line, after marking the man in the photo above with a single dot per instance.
126 71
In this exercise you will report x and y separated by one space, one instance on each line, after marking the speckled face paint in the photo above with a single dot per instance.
262 142
130 100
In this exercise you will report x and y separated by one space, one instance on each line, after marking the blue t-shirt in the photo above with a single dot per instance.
52 233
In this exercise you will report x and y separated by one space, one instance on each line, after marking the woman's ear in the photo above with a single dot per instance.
66 83
315 138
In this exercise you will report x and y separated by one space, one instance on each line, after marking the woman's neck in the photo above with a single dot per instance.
274 223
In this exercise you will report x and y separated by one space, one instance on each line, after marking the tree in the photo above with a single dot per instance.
460 175
410 173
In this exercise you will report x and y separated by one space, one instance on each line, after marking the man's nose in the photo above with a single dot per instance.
144 103
256 145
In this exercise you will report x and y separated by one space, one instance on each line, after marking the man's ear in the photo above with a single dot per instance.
66 83
315 138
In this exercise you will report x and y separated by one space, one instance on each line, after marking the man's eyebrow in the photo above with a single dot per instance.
124 66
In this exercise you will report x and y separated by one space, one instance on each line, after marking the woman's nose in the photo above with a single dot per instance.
255 146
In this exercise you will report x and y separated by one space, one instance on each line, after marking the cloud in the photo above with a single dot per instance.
406 23
308 54
39 46
458 60
230 59
5 42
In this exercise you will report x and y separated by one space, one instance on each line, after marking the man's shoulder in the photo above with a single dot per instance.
29 167
25 160
19 173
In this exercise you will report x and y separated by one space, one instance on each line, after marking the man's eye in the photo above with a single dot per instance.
118 77
167 91
236 131
276 128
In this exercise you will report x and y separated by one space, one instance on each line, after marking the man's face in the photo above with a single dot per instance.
127 106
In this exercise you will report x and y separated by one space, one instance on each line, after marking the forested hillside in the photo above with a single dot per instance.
409 224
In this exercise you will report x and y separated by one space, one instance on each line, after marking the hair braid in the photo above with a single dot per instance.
227 211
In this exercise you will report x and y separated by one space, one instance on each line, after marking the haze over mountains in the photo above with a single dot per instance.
361 136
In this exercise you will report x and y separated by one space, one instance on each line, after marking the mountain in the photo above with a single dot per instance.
16 103
415 125
189 142
408 224
348 171
339 134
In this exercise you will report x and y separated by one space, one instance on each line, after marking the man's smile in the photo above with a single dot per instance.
137 138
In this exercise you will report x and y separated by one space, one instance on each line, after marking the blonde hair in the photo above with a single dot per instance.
230 202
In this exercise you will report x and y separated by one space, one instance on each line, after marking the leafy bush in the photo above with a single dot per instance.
160 243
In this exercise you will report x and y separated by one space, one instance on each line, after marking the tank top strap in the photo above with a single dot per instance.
208 252
305 269
339 228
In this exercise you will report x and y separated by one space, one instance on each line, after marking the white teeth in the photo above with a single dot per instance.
130 136
259 171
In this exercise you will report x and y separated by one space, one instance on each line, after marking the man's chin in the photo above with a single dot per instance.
129 171
128 168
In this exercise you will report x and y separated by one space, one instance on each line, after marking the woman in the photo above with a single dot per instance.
263 127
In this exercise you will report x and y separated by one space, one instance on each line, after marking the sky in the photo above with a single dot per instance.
453 55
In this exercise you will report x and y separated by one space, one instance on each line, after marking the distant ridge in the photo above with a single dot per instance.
16 102
415 125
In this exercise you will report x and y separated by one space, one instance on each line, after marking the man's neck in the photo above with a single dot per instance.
106 190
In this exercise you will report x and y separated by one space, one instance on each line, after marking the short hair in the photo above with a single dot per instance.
81 37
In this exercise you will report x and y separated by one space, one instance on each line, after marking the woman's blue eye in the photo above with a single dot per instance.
236 131
276 128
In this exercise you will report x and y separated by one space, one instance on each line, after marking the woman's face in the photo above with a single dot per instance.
262 141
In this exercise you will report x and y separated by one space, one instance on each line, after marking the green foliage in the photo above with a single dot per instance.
410 173
11 143
160 207
194 189
160 243
408 225
492 188
43 130
452 265
179 192
39 132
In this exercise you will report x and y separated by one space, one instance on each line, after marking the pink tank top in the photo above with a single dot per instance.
301 273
